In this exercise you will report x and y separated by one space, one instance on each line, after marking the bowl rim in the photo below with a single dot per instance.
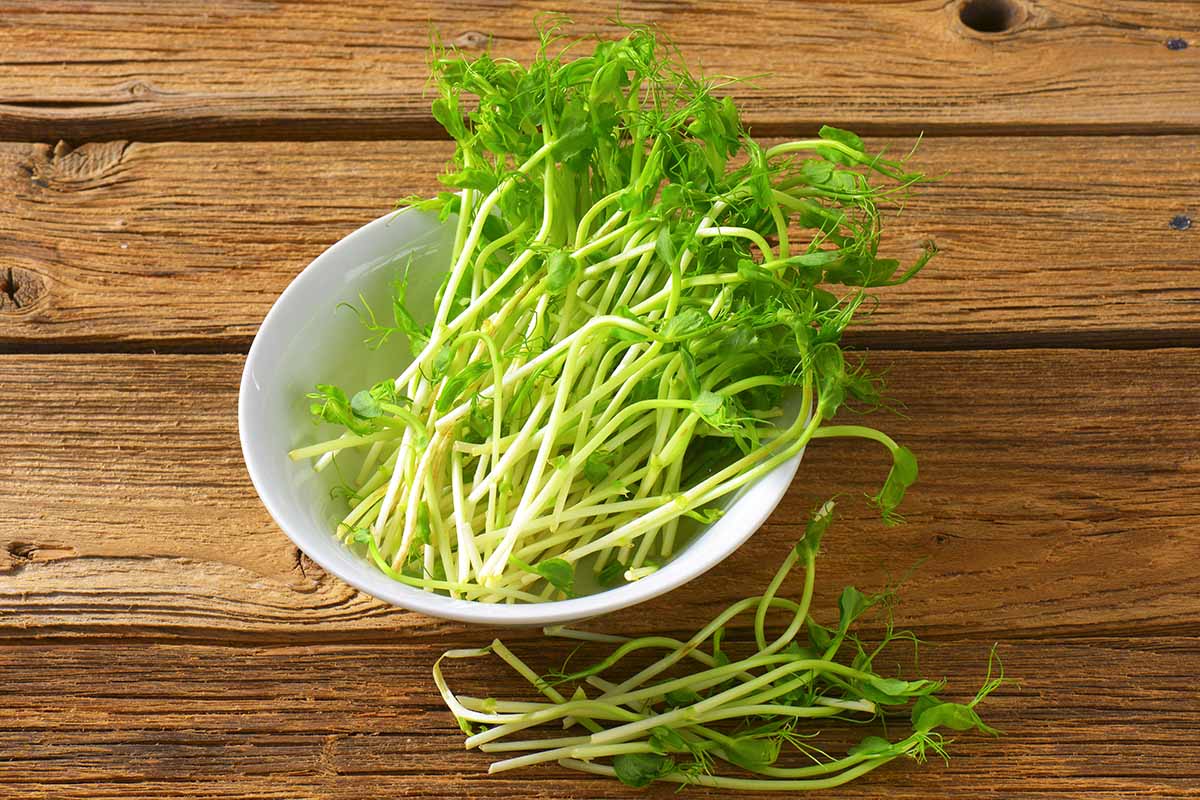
675 573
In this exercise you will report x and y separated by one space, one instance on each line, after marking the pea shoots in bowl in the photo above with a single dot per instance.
591 364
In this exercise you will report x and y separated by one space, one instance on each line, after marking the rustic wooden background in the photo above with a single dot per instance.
166 168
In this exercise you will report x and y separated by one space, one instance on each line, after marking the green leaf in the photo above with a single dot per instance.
831 134
871 746
678 698
439 570
708 405
385 392
423 533
441 362
820 636
742 339
446 112
824 300
686 323
955 716
852 604
902 475
752 754
561 271
667 740
817 525
664 248
922 705
816 258
894 691
479 424
482 180
890 686
830 365
642 769
597 466
574 143
365 405
623 334
645 389
848 138
558 573
330 405
455 386
416 333
753 272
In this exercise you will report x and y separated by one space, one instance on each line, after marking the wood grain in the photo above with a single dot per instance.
1051 241
1059 496
1095 718
242 69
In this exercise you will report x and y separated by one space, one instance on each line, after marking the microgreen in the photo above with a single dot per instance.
638 298
696 715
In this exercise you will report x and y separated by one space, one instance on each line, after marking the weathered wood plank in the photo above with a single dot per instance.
1059 495
1096 718
326 70
1051 241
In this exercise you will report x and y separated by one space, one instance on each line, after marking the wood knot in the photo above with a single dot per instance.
471 39
991 16
66 168
16 556
22 551
19 289
140 90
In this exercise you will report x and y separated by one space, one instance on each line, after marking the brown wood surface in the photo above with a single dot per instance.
1053 240
242 69
1040 470
353 721
166 168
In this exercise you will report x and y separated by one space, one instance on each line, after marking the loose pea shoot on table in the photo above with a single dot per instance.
642 313
695 712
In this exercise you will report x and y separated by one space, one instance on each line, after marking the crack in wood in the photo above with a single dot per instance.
10 289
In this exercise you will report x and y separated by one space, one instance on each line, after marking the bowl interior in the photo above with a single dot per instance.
309 337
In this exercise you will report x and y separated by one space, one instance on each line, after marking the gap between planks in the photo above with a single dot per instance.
1131 340
430 131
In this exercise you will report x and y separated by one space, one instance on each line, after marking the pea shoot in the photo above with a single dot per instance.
638 298
697 715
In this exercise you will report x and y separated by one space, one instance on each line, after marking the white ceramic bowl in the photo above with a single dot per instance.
305 339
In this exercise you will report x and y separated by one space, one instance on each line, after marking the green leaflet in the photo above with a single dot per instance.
642 769
561 271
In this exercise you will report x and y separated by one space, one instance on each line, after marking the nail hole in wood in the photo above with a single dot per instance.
990 16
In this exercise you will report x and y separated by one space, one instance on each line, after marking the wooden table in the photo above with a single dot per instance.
167 168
